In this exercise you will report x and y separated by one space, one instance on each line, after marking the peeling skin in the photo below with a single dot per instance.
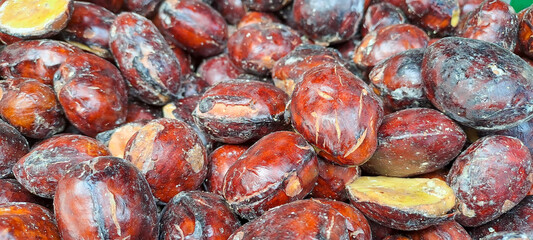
195 157
143 146
357 144
294 187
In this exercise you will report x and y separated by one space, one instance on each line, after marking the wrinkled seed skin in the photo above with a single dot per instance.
50 160
13 146
304 219
31 107
525 32
37 59
493 21
89 25
20 220
330 21
398 81
231 10
145 59
12 191
92 92
332 180
169 153
489 178
279 168
105 198
111 5
257 17
194 26
337 113
415 141
519 219
197 215
266 5
142 7
255 48
220 160
445 231
381 15
237 111
477 83
358 226
388 41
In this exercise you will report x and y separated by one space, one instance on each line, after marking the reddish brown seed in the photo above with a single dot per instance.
337 113
266 5
92 92
145 59
381 15
231 10
489 178
396 237
37 59
288 71
220 69
332 180
279 168
184 59
493 21
12 191
398 80
139 112
439 174
171 156
525 32
519 219
48 161
477 83
257 17
220 160
237 111
111 5
468 6
197 215
415 141
12 147
31 107
88 28
388 41
523 131
446 231
192 85
20 220
142 7
380 232
307 219
105 198
358 226
193 25
331 21
116 139
255 48
438 17
7 39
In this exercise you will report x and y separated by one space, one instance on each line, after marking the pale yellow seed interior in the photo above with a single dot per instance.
31 14
422 195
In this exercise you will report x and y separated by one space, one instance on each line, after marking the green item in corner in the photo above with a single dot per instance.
518 5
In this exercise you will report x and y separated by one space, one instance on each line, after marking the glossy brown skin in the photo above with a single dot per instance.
327 109
197 215
437 17
415 141
171 156
220 69
288 71
139 112
220 160
381 15
304 219
388 41
12 147
482 192
519 219
477 83
184 59
331 21
37 59
7 39
360 229
105 198
266 5
445 231
493 21
279 168
237 111
193 25
92 92
111 5
332 180
257 17
21 220
31 107
145 59
525 32
231 10
255 48
50 160
88 28
142 7
398 81
523 131
12 191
